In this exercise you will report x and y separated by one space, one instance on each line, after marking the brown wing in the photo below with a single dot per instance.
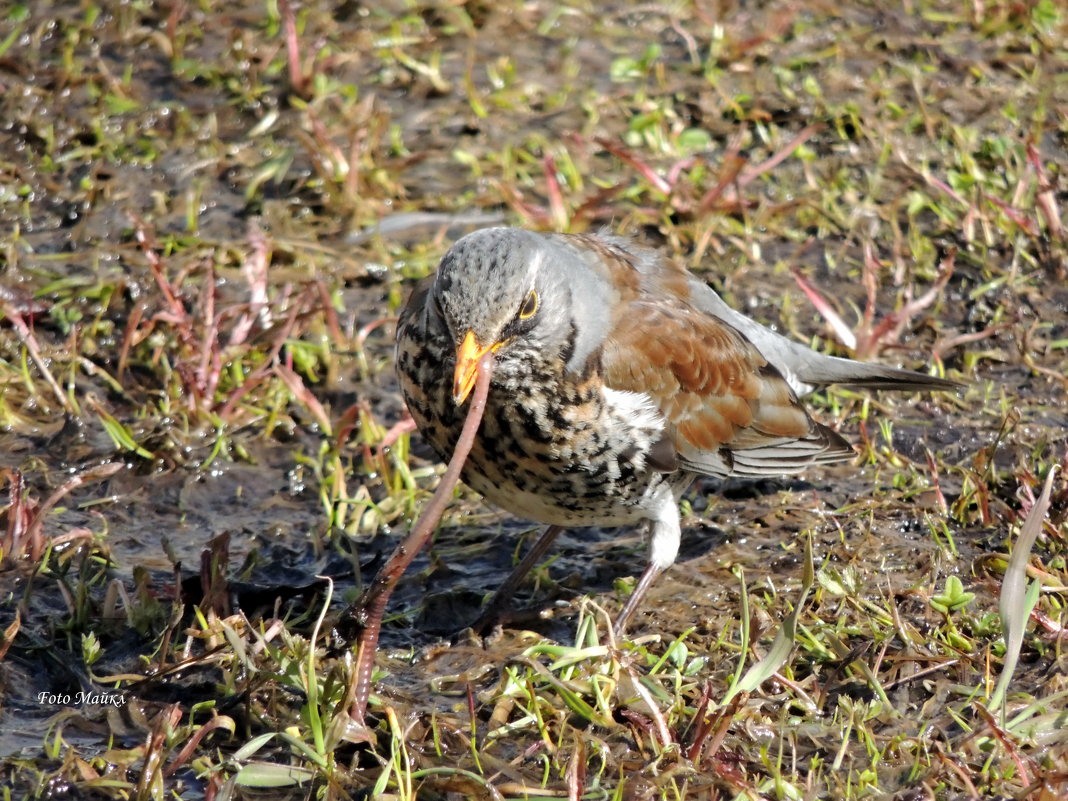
729 412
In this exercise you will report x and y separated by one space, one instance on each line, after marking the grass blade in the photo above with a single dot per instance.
1017 599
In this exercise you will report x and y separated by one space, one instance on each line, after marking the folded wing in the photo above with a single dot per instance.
729 412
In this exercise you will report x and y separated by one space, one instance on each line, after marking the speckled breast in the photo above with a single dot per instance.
548 449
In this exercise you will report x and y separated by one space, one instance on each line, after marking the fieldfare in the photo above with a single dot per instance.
618 377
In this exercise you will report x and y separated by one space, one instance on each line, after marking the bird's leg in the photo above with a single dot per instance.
495 611
663 548
649 575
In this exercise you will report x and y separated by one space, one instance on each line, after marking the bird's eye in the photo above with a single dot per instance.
530 306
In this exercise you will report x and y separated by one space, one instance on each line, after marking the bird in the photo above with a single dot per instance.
618 378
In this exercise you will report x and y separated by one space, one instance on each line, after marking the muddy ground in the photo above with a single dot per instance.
209 216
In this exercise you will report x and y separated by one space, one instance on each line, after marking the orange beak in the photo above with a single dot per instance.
467 357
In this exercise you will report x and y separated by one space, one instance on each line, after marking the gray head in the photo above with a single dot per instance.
515 293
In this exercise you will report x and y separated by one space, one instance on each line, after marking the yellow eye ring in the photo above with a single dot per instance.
530 306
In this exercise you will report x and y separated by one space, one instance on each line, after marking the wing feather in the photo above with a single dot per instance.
729 412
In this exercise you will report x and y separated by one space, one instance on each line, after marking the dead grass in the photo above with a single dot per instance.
209 214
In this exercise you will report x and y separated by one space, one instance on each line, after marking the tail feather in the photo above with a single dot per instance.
820 370
804 368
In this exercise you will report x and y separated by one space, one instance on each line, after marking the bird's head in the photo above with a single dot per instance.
511 293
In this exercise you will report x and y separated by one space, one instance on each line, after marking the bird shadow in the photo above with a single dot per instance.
584 561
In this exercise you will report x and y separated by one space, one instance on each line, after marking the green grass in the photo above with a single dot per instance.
209 214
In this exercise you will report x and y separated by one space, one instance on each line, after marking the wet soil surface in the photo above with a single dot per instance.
123 124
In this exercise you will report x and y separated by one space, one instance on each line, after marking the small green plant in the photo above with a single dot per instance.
953 597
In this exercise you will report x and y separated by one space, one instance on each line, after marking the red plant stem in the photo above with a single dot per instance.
368 610
33 532
289 27
29 341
